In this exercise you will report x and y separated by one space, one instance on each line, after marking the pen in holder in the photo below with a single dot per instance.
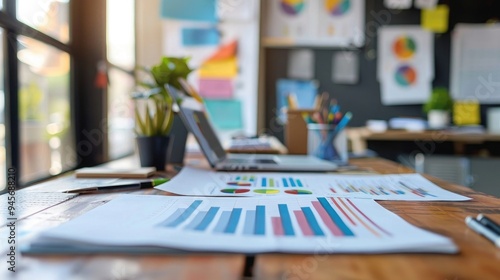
328 142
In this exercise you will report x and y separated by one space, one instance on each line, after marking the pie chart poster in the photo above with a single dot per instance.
405 66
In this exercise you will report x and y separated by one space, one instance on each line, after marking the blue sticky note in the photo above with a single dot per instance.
195 10
305 91
225 114
192 37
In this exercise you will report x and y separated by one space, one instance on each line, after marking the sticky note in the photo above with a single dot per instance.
225 114
192 37
216 88
226 68
436 19
466 112
195 10
225 51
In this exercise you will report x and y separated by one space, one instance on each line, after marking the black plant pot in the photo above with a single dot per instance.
153 151
178 137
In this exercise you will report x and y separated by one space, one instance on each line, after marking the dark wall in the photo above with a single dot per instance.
363 99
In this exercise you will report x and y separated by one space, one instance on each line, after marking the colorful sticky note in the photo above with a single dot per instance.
195 10
225 114
226 68
216 88
192 37
225 52
466 112
436 19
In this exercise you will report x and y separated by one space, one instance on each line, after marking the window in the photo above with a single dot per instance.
47 142
50 17
37 120
120 41
3 161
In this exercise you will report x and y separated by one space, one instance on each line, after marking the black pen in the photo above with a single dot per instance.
122 187
489 223
481 229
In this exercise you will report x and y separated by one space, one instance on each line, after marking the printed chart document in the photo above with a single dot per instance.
201 182
296 224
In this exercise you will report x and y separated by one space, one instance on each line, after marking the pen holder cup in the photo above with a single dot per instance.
327 142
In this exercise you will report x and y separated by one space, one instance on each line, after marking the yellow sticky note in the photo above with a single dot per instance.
436 19
225 68
466 113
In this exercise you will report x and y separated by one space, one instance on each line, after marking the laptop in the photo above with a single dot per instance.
194 118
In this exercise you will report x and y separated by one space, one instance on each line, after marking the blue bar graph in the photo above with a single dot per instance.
292 182
260 220
249 227
173 217
335 217
223 221
207 219
299 183
197 220
233 221
184 215
285 183
264 182
286 220
311 220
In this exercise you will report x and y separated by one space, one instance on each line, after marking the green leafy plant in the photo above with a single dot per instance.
157 116
440 100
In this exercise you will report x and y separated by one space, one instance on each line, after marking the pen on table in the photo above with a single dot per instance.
479 228
489 223
133 186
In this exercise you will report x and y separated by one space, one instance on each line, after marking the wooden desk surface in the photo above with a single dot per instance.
478 258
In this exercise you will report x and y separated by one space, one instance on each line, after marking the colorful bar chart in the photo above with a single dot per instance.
411 187
293 224
337 217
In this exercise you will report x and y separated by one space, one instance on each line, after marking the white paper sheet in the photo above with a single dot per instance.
345 67
405 66
426 4
304 225
200 182
475 63
301 64
312 22
398 4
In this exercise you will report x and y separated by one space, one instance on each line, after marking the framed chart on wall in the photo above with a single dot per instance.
316 22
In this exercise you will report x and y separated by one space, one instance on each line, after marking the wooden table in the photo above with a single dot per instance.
478 258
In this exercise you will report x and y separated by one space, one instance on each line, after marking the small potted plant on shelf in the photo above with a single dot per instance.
157 126
438 108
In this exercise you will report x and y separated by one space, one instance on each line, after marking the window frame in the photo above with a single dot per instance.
84 50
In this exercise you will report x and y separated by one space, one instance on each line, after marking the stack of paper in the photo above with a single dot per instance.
303 225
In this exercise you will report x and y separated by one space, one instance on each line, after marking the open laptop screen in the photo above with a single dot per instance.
197 123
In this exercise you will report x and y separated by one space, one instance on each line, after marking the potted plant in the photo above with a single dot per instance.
438 108
156 123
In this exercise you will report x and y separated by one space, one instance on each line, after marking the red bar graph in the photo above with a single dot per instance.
304 226
334 229
277 226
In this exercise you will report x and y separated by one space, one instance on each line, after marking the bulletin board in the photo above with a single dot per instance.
364 98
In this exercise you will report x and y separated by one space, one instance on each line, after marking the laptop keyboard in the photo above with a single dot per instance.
250 161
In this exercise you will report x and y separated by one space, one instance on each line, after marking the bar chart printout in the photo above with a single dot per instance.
413 187
251 225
